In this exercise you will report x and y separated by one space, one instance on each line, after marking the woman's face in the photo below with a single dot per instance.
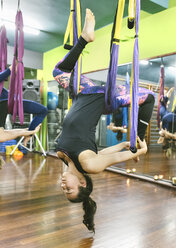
70 184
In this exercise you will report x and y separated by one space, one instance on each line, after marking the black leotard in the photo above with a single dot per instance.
79 126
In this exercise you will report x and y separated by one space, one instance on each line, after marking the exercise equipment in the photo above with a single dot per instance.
3 48
18 155
73 31
30 149
112 72
161 94
52 101
15 98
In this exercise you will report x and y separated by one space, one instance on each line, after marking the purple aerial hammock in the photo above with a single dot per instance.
125 109
112 72
3 49
15 99
115 40
135 82
161 93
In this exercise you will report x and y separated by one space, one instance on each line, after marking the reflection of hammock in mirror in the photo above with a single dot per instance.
166 120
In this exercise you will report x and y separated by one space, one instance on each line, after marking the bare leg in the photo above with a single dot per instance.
89 25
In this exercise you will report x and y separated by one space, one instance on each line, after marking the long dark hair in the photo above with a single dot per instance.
119 135
89 206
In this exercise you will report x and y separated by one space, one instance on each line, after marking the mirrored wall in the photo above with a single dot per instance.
160 161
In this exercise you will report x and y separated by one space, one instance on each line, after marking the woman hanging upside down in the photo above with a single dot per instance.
76 145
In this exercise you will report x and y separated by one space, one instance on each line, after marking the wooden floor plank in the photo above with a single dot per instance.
131 213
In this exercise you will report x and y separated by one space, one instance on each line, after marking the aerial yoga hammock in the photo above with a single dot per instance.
15 98
3 49
111 81
166 120
161 95
112 72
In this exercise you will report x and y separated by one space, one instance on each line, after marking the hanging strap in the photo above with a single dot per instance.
135 82
69 29
115 40
174 104
73 31
131 14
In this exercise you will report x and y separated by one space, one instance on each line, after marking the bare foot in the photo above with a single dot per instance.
89 25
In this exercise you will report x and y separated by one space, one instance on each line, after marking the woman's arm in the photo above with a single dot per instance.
15 133
100 162
63 78
169 93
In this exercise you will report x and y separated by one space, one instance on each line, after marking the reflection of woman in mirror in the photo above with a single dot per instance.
116 124
76 145
168 119
29 107
164 100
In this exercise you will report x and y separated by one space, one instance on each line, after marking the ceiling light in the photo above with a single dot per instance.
172 68
26 29
144 62
31 30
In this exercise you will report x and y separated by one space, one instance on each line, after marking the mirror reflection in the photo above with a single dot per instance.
161 139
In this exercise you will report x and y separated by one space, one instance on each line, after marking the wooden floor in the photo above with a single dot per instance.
35 214
155 162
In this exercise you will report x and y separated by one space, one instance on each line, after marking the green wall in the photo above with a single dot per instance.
156 37
172 3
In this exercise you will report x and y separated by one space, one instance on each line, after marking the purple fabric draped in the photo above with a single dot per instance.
3 52
134 107
15 100
161 94
111 79
125 109
75 40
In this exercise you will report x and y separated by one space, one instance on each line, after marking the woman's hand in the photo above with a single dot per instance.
142 145
127 145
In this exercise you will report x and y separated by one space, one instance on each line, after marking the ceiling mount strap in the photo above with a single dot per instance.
18 5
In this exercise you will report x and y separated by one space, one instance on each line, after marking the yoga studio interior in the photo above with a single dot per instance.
133 46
